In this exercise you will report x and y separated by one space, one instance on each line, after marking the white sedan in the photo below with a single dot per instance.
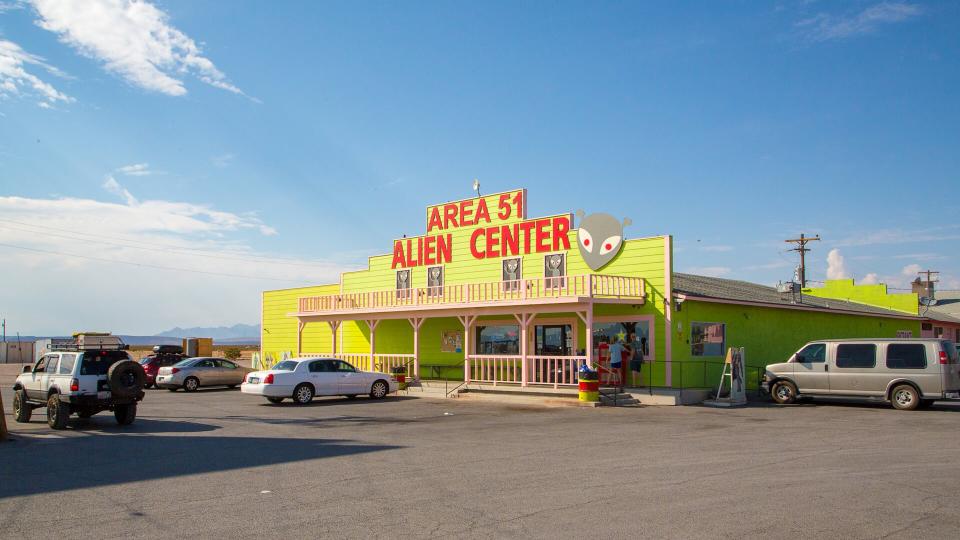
302 378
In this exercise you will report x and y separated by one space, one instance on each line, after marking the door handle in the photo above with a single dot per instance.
826 367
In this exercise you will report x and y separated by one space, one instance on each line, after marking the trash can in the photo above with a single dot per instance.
589 384
400 374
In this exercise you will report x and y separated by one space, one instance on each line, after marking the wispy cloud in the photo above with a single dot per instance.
901 236
710 271
137 169
134 39
16 78
828 27
773 265
111 185
223 160
716 248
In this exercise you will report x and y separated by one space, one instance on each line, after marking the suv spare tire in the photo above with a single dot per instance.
126 379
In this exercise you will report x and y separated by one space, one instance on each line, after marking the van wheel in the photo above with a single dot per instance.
905 398
21 410
57 412
783 392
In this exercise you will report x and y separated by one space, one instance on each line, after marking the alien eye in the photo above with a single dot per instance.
610 244
585 239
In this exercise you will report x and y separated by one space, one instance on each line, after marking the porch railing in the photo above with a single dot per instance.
541 370
381 362
587 285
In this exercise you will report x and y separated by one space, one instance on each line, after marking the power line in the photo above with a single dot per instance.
100 238
146 265
803 249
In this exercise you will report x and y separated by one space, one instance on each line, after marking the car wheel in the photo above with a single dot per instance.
275 400
379 390
905 398
783 392
125 414
57 412
303 394
191 384
21 409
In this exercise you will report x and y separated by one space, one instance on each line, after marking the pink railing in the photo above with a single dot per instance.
381 362
589 285
541 370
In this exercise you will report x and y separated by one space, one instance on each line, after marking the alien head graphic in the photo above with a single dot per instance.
600 238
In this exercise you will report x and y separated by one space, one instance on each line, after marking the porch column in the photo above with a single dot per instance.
416 323
300 325
524 320
467 322
588 320
372 325
334 325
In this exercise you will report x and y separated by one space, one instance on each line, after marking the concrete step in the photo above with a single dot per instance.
619 400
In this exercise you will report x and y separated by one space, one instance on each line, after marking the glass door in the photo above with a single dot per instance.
553 340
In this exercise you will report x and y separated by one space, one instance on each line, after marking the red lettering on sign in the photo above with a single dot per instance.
466 213
511 240
482 212
449 215
434 219
503 211
477 254
526 227
493 241
445 249
398 257
542 235
561 226
428 250
518 201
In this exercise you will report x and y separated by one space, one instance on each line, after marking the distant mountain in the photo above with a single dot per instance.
218 333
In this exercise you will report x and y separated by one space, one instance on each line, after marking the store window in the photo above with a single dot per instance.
403 284
554 270
498 339
631 335
512 274
707 339
938 331
435 281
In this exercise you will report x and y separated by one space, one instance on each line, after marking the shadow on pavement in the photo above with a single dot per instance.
104 423
35 465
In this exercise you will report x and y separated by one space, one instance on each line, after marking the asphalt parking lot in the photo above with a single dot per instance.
218 463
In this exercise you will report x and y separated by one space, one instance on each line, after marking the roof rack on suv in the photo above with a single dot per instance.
90 341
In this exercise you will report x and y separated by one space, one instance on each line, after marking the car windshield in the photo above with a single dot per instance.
286 365
99 362
184 363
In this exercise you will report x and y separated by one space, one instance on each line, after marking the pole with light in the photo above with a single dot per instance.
476 187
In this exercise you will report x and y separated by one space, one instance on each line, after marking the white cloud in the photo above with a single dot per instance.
870 279
836 266
901 236
223 160
827 27
911 270
114 187
134 39
768 266
16 80
137 169
134 296
710 271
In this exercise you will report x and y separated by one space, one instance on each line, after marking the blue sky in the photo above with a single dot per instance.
289 140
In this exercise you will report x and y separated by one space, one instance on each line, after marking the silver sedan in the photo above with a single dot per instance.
193 373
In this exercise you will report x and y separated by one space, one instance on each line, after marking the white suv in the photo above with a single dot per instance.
83 380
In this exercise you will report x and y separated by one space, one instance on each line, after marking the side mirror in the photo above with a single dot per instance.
27 369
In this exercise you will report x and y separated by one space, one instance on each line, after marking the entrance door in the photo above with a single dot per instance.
553 340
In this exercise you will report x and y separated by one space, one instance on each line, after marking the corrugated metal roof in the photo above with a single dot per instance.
947 308
744 291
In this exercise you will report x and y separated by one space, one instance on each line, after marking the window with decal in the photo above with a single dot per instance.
512 274
498 339
403 283
554 270
707 339
435 281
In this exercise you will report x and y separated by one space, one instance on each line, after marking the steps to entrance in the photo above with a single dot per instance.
433 389
613 398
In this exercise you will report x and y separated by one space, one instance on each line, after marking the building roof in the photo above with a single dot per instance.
947 307
753 293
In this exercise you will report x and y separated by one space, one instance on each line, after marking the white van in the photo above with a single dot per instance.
909 373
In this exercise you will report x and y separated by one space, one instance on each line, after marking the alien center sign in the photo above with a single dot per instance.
504 231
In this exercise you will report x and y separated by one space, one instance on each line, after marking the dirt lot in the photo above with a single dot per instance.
219 463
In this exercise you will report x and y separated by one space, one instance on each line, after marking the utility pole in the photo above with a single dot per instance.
802 249
928 284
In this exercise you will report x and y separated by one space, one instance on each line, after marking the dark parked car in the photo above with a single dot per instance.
152 364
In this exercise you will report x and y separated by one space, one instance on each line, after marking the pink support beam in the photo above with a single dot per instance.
416 323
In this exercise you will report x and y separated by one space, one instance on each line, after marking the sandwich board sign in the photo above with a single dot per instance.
733 376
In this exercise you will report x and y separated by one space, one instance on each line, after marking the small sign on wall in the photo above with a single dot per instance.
451 341
904 333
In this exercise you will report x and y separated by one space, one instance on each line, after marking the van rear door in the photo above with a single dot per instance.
951 370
